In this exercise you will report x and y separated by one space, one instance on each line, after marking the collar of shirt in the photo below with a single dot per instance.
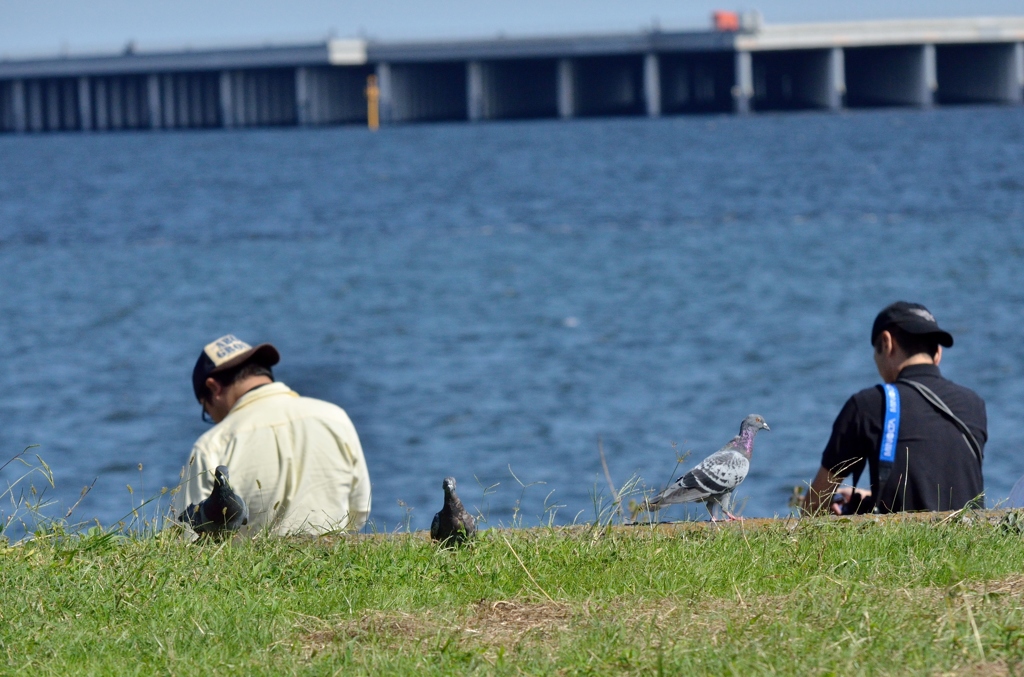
916 370
262 392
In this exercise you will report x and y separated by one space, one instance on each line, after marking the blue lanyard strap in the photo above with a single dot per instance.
891 428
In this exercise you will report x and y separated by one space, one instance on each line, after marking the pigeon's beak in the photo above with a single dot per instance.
765 426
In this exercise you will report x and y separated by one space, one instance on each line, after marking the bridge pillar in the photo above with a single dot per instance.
169 114
566 88
102 104
195 100
321 96
69 104
84 104
930 77
212 106
386 102
51 105
245 108
1018 66
153 106
182 101
476 104
837 78
743 89
274 112
35 106
304 112
115 101
250 98
238 98
652 85
186 101
271 106
122 87
132 102
257 103
226 100
325 96
20 106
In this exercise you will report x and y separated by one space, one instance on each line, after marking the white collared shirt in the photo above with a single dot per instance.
295 460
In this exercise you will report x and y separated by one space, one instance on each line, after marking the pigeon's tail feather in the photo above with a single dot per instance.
678 495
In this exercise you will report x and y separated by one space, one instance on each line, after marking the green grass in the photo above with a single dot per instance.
788 597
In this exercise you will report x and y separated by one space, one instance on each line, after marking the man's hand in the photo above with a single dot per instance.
846 500
819 497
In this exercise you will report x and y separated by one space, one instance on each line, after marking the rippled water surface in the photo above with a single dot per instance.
480 297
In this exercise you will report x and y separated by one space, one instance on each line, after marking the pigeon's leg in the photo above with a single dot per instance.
725 503
710 505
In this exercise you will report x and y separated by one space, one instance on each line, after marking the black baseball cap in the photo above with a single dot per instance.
226 353
912 318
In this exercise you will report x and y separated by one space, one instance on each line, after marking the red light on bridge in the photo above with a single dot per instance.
726 21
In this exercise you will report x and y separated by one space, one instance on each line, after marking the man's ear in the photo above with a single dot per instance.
213 386
885 343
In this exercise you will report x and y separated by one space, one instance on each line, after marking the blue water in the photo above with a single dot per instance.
480 297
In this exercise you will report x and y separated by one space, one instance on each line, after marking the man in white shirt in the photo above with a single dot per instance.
295 460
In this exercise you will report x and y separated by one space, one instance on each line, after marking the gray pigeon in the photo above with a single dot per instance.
222 512
712 481
453 525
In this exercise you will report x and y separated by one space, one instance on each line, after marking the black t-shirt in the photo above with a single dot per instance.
935 469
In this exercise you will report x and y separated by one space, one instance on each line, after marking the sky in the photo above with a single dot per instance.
49 27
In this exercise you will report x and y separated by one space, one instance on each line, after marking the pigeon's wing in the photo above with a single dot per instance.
722 471
470 523
201 520
465 521
435 527
719 473
192 516
238 512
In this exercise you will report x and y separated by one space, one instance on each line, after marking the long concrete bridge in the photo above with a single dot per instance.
752 68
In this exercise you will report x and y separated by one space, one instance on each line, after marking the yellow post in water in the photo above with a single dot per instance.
372 103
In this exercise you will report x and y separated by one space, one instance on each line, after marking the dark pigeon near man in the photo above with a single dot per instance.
222 512
713 480
453 525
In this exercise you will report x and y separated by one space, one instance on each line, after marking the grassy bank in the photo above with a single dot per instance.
808 597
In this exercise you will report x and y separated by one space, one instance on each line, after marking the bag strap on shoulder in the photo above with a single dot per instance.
929 395
890 435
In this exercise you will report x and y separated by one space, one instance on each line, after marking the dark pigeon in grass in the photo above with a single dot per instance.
223 512
713 480
453 525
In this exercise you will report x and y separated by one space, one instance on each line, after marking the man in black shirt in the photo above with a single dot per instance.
932 460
